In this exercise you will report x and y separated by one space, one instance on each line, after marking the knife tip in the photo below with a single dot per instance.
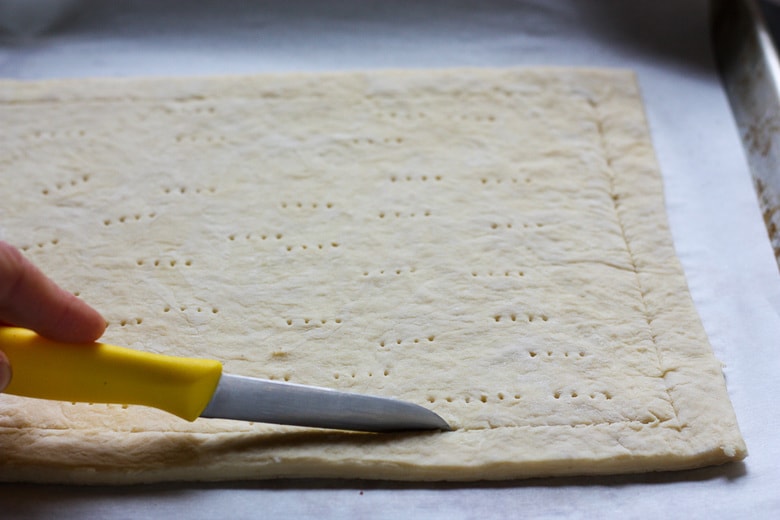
434 421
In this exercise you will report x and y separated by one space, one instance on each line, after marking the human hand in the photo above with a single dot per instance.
29 299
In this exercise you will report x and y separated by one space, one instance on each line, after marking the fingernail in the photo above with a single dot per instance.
5 372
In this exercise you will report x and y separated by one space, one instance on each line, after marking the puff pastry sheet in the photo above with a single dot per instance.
491 244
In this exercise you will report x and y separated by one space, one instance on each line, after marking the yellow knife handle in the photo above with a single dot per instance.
102 373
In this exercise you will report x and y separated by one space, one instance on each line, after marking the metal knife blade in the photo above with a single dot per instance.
259 400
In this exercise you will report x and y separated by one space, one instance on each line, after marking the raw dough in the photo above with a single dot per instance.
491 244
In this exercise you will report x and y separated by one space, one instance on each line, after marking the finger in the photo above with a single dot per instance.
29 299
5 371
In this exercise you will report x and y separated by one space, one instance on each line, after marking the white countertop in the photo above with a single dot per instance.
713 211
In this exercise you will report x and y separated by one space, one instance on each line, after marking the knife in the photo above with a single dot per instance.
191 387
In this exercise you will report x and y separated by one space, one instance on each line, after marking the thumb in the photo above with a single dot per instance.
5 371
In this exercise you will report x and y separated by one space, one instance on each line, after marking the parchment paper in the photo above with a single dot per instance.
714 216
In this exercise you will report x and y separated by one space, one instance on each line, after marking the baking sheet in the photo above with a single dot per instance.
748 64
714 216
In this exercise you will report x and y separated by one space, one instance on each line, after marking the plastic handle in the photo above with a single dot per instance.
102 373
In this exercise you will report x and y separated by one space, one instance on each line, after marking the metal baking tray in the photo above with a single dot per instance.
748 64
714 212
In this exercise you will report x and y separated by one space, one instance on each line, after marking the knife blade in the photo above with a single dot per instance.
192 387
